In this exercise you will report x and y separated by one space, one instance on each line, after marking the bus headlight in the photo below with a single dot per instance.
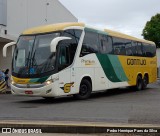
12 82
48 82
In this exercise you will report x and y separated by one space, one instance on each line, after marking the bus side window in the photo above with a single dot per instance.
119 46
128 46
75 35
105 44
153 50
139 49
145 50
90 44
149 50
134 51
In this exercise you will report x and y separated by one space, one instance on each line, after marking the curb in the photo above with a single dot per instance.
79 127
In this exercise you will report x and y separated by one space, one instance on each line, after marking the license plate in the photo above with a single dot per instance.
29 92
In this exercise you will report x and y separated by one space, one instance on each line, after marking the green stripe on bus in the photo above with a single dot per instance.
117 67
43 79
112 68
34 80
39 80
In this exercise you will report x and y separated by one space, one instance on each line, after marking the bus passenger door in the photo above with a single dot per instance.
64 70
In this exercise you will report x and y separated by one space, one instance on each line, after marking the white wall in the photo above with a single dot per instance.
5 62
23 14
3 12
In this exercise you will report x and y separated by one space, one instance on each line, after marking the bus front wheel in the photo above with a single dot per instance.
84 90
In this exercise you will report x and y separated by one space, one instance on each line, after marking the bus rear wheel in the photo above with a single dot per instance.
84 90
145 82
139 83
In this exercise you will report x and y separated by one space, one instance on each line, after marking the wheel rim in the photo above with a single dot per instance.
139 84
83 89
145 81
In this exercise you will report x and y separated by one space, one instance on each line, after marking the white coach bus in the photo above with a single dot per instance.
73 59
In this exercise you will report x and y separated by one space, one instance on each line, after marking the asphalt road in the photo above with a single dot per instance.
114 106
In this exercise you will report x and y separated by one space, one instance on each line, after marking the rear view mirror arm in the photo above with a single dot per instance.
6 46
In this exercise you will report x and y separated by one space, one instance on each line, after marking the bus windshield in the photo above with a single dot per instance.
32 55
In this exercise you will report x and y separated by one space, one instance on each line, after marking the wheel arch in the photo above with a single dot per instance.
140 74
84 94
87 77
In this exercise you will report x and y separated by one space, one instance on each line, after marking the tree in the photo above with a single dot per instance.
152 30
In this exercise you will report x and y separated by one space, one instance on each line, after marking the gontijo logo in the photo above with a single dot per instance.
136 62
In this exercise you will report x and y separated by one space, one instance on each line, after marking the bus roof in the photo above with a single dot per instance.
121 35
61 26
51 28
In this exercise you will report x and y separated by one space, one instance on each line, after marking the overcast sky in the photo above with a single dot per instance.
127 16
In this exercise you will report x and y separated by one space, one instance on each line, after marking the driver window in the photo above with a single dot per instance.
90 43
64 59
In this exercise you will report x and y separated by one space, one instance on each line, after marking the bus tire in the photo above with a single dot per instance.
48 98
139 83
145 82
84 90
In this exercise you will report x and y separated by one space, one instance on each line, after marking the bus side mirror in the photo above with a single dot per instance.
6 46
55 42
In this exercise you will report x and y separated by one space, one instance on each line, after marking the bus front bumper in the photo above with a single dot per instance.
45 91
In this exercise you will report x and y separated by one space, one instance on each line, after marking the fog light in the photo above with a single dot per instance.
13 91
48 91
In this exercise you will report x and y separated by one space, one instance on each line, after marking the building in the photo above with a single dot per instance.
18 15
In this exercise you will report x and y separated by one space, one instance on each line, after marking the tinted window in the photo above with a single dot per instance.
90 43
153 50
134 51
67 48
74 34
149 50
64 56
128 46
137 48
119 46
105 44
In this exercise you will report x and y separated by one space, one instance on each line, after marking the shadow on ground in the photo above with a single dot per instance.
68 99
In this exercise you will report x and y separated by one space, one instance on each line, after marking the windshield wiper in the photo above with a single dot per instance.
28 60
33 60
